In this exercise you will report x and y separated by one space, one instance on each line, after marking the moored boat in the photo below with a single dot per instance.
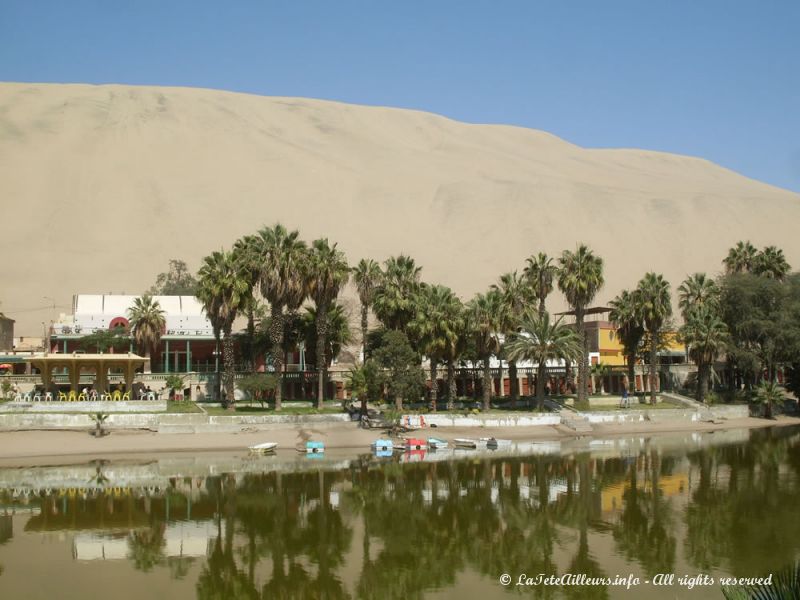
263 448
494 443
436 443
382 444
311 447
470 443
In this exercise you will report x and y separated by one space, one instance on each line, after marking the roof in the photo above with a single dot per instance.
117 304
595 310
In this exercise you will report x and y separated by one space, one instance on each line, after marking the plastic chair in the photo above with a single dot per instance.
37 397
151 396
62 397
73 397
27 396
18 397
126 396
82 397
117 396
48 396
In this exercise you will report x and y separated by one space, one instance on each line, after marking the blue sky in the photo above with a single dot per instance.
718 79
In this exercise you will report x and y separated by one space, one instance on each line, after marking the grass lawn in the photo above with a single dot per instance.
183 407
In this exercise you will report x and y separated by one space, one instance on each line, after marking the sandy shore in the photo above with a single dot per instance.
22 446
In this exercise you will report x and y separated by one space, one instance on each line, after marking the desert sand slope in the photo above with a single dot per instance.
101 185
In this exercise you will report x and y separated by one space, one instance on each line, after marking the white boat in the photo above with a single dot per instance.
437 443
265 447
470 443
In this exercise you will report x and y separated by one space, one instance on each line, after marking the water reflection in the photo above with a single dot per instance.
374 529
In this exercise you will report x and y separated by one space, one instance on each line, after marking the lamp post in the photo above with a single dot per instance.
49 318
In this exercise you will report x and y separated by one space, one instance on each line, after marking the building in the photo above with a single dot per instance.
187 342
6 333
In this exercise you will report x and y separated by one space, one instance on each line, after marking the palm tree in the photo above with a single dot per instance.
516 294
283 284
483 319
540 272
741 258
147 322
338 332
436 326
655 307
247 257
540 340
579 279
771 263
769 394
697 290
706 335
367 276
393 302
625 317
327 272
224 292
597 371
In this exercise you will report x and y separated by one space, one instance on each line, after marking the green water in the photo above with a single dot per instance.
358 527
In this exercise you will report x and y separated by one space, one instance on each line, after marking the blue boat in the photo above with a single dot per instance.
383 444
312 447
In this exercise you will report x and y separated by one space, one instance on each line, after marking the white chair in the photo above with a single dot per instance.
48 396
151 396
18 397
37 397
27 396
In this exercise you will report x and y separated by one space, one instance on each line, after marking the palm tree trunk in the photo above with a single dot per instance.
653 357
434 385
228 361
322 334
451 384
251 336
147 365
276 337
540 376
364 323
514 383
632 373
487 384
702 383
582 369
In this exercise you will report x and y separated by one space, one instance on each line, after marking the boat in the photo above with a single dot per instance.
264 448
494 443
312 447
470 443
415 444
382 444
382 452
436 443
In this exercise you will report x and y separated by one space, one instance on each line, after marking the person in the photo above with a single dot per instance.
626 403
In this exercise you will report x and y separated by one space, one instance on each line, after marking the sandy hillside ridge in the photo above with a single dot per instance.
101 185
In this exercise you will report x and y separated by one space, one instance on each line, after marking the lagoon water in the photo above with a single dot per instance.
448 525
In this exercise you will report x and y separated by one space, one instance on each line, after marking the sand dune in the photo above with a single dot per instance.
101 185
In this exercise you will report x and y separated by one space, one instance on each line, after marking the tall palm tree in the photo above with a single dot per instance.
224 292
706 335
655 307
393 302
146 322
282 284
516 293
327 272
540 340
540 272
741 258
580 277
771 263
697 290
247 258
483 319
436 326
626 318
367 276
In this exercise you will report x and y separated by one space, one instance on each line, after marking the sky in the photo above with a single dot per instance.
718 79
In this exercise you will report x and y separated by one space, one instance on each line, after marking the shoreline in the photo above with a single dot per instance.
30 446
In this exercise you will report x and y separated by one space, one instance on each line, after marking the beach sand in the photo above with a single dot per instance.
32 447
